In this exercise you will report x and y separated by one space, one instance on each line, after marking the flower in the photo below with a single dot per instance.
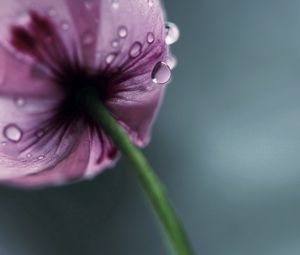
50 52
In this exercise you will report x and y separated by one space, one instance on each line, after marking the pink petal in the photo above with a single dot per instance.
132 39
71 168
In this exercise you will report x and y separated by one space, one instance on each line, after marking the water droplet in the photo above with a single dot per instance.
65 26
29 155
115 43
51 12
150 37
122 32
13 133
171 62
161 73
23 19
150 3
115 4
3 144
88 4
41 157
172 33
20 102
110 58
88 38
135 49
40 133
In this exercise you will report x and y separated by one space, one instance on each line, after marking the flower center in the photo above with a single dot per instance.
40 40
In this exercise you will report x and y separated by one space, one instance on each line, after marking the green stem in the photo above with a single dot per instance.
149 181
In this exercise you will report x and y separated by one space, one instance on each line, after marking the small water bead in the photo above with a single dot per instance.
135 50
29 155
150 3
20 101
88 4
172 33
161 73
13 133
23 19
115 4
122 32
40 133
115 43
150 37
65 26
171 61
51 12
88 38
41 157
110 58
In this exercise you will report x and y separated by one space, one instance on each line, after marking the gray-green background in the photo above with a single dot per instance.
226 143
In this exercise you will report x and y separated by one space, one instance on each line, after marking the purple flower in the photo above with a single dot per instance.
50 53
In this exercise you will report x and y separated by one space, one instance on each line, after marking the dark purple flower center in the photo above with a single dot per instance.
40 40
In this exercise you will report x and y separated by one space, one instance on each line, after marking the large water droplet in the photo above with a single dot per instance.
122 32
172 33
110 58
150 37
135 49
13 133
161 73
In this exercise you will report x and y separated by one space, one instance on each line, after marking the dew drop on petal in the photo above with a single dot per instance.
110 58
150 3
150 37
65 26
52 12
135 49
115 43
122 32
115 4
88 38
161 73
28 155
20 101
40 133
171 62
23 19
41 157
13 133
88 4
172 33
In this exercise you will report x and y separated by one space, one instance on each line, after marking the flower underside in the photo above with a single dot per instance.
122 63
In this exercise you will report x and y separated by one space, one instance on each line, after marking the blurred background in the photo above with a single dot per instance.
226 144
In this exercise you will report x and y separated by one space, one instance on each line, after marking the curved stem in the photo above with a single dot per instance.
149 181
